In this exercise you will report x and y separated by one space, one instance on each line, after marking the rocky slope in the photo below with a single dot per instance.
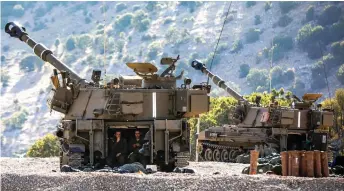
135 31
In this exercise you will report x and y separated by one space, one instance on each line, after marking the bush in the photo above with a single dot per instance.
5 48
123 22
282 76
340 74
257 78
48 146
330 15
199 40
267 6
104 9
330 61
244 70
57 42
276 53
136 7
40 12
284 21
336 31
87 20
30 63
299 87
153 50
151 5
168 20
141 21
250 4
222 47
252 35
70 44
318 81
257 20
18 11
3 58
84 41
236 46
191 5
286 6
310 13
148 37
289 75
283 41
39 25
337 49
4 79
307 36
120 7
17 120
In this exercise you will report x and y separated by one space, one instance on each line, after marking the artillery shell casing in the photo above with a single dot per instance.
324 164
317 164
310 163
284 160
254 162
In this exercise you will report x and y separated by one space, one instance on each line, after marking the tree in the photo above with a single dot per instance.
284 21
237 46
257 20
48 146
257 78
310 13
252 35
244 70
330 15
70 44
286 6
250 4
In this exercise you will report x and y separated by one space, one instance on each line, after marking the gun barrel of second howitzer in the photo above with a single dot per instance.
40 50
217 80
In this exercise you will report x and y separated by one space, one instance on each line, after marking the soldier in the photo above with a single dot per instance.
134 147
119 149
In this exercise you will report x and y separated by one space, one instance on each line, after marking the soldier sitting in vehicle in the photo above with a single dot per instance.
134 146
119 149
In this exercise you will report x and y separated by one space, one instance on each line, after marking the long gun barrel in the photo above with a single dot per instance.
217 80
40 50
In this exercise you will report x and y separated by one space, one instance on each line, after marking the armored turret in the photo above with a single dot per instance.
145 102
273 126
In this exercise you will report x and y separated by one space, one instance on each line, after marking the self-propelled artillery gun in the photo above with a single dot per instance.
273 127
94 111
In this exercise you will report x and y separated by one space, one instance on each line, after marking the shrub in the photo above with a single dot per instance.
128 58
283 41
70 44
141 21
337 49
330 61
39 25
84 41
199 40
336 31
168 20
236 46
57 42
267 5
123 22
284 21
276 75
318 76
17 120
340 74
330 15
151 5
18 11
309 35
266 52
136 7
257 78
30 63
120 7
5 48
4 79
40 12
252 35
222 47
244 70
310 13
191 5
148 37
3 58
299 87
286 6
153 50
104 9
210 60
250 4
257 20
48 146
87 20
289 75
276 53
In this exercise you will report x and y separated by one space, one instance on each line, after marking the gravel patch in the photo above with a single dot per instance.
37 174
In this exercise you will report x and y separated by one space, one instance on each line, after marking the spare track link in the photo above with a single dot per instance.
215 146
182 160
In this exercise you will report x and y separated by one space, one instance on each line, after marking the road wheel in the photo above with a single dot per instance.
230 154
224 155
208 154
217 155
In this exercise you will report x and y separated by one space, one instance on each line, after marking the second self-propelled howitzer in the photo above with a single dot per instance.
146 103
271 128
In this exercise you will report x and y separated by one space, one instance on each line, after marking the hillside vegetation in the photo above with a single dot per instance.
302 41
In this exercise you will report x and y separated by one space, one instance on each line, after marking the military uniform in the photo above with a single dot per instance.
135 156
119 147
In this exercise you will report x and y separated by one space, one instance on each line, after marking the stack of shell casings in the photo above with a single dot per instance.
305 163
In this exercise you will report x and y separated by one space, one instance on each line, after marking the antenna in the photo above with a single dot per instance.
104 10
272 55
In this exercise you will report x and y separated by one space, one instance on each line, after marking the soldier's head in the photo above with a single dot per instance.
137 134
118 134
